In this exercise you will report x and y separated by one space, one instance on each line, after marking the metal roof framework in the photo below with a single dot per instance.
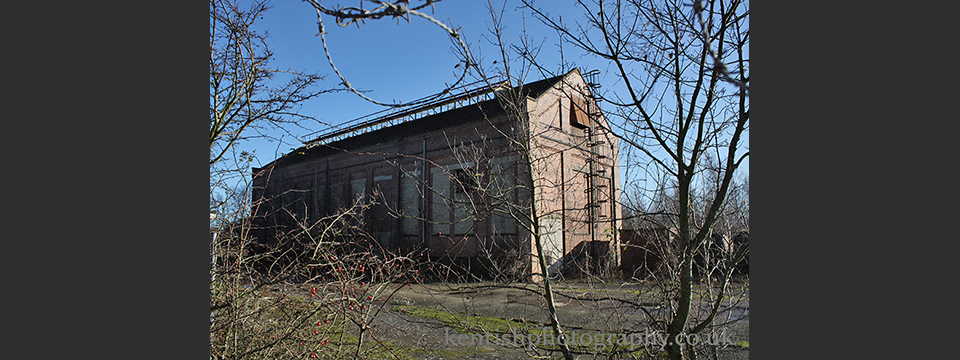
391 117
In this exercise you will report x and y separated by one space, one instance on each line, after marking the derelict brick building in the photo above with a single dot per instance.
451 206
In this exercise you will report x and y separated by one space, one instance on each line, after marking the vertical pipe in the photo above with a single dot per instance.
563 207
423 195
396 235
591 193
613 200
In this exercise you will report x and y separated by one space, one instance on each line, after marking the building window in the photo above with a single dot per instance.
465 186
410 202
358 187
578 113
503 178
337 200
440 212
467 180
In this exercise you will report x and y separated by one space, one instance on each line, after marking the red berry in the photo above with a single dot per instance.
369 297
316 332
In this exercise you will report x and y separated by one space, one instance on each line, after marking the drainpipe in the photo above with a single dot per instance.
423 196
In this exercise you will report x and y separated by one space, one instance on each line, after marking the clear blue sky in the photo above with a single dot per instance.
396 60
399 60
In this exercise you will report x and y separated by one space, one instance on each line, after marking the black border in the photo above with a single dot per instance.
108 247
841 175
105 146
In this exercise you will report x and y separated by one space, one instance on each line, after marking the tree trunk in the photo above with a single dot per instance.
676 327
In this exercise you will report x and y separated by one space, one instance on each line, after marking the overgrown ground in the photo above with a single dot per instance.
497 321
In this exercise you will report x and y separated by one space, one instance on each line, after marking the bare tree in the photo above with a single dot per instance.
517 178
671 133
259 307
304 294
400 9
685 71
247 95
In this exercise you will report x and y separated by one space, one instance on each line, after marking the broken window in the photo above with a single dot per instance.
467 180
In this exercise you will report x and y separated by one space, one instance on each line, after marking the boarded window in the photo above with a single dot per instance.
286 207
307 200
465 185
551 238
440 204
321 200
504 176
336 196
410 202
384 189
578 112
463 213
295 206
357 188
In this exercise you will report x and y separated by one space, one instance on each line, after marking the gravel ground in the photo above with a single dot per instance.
582 308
